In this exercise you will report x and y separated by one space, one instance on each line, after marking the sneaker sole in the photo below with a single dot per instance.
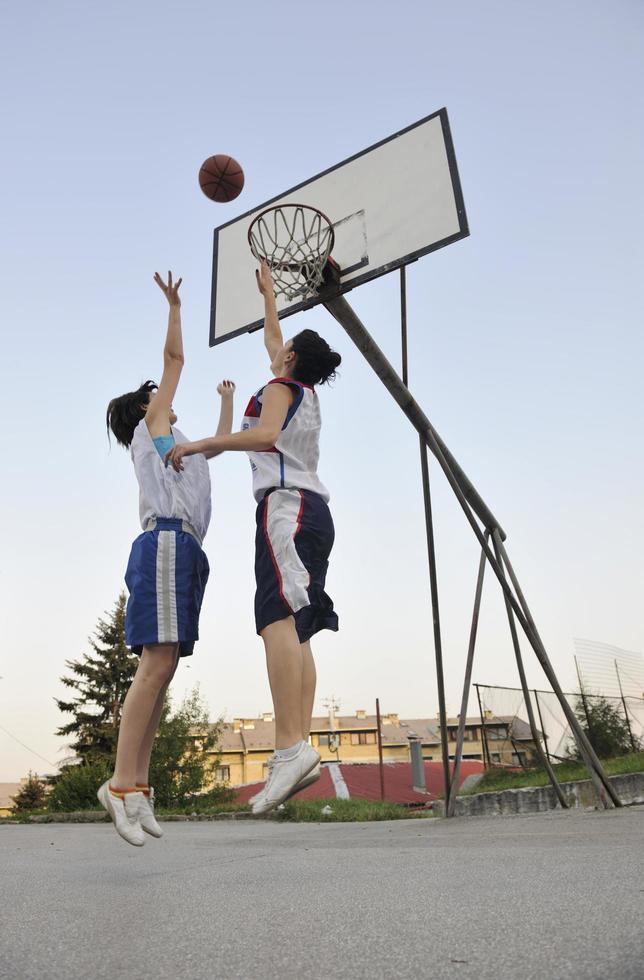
153 833
303 783
290 792
104 799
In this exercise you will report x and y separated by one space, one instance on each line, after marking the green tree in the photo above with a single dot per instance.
31 795
605 726
184 755
100 680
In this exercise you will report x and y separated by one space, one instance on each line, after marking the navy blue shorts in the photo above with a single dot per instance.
166 577
292 546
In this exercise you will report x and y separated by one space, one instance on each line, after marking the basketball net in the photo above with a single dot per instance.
295 241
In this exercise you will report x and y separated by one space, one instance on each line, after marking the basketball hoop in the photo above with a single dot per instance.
296 241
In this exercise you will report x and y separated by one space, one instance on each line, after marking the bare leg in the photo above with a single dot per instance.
284 663
154 671
309 678
145 750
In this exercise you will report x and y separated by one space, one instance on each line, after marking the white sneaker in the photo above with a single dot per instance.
284 778
124 813
146 814
312 777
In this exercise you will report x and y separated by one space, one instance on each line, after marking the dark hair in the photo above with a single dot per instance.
125 412
316 362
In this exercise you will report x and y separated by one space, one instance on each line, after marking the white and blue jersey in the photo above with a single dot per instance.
293 461
295 530
167 570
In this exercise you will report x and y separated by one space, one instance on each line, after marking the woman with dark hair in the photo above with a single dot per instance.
166 573
280 433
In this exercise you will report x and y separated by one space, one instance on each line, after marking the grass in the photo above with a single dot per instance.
495 780
345 811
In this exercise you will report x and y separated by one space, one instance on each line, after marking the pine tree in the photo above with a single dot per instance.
101 680
31 795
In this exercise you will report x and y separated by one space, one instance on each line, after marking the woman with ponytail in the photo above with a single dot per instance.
280 433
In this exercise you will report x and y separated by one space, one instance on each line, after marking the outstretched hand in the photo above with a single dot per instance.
176 454
264 279
226 389
170 291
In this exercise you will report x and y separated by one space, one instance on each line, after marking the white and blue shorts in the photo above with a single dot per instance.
293 542
166 577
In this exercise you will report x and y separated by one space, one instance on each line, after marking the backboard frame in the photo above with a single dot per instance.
370 273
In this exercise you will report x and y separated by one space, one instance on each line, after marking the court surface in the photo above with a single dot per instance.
557 895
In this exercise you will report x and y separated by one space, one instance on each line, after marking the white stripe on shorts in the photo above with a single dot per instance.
281 527
167 628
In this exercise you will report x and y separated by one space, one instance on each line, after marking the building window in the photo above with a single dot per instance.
222 774
323 740
496 756
363 738
497 732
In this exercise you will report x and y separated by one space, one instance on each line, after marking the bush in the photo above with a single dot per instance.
75 787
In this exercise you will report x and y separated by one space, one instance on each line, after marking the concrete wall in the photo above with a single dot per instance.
537 799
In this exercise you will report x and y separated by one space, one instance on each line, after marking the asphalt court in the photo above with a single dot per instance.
557 895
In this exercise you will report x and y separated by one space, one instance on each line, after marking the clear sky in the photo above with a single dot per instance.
525 338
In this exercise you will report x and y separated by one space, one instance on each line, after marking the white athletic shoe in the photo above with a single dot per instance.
146 814
124 813
284 777
312 777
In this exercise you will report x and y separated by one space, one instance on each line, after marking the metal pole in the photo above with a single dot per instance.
486 747
466 494
438 647
545 762
431 555
403 323
380 765
628 720
462 718
543 730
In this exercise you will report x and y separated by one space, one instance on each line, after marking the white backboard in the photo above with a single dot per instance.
389 204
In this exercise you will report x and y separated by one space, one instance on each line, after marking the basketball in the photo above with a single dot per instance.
221 178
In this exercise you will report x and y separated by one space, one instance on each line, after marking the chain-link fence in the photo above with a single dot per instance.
614 725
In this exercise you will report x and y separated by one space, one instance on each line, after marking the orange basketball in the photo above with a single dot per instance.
221 178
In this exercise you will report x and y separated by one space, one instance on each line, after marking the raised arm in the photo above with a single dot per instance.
273 339
157 415
226 390
276 401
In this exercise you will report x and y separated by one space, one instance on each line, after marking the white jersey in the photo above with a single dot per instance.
292 462
166 493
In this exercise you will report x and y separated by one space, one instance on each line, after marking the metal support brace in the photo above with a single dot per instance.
450 801
467 496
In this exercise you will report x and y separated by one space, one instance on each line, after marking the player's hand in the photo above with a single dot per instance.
226 389
176 454
170 291
264 279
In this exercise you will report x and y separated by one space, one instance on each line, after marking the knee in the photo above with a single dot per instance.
157 667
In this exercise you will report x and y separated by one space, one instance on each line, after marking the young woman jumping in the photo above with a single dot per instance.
281 433
166 573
